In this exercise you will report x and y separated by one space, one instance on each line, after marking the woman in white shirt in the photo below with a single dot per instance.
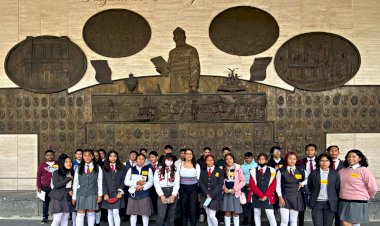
166 183
189 172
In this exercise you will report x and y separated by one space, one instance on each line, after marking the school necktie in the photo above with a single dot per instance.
88 169
291 172
334 167
209 172
311 165
154 168
133 164
262 172
112 168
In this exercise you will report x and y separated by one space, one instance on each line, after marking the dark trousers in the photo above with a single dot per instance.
162 208
322 215
337 219
188 198
45 205
301 218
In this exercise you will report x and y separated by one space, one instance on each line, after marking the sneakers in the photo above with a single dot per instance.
44 220
201 218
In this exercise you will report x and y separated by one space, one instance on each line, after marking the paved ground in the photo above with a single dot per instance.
33 222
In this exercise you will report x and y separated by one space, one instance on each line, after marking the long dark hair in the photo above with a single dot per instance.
363 162
107 163
172 167
62 171
225 164
82 163
193 160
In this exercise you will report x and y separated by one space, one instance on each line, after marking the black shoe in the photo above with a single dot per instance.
44 220
245 221
97 224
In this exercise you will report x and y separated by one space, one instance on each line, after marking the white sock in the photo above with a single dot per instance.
355 224
284 216
293 217
236 220
133 220
211 219
257 216
110 218
57 217
116 217
90 218
227 221
271 217
98 215
80 219
74 218
145 220
65 219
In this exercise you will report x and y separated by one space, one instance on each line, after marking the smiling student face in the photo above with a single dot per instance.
87 157
229 160
210 162
353 159
112 158
140 160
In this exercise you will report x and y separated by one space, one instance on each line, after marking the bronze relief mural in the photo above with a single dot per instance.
317 61
45 64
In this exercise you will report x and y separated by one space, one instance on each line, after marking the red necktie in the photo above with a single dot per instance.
311 165
262 172
112 167
291 172
209 172
88 169
154 168
334 165
133 163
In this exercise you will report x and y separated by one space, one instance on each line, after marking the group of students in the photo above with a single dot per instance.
331 188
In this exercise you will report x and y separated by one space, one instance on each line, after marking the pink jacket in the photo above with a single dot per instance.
239 180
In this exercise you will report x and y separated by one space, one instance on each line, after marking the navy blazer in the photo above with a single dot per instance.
112 181
212 185
333 186
340 165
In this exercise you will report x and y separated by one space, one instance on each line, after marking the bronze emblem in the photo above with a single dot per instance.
243 31
317 61
124 33
45 64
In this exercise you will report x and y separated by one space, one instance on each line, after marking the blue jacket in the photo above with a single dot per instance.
247 168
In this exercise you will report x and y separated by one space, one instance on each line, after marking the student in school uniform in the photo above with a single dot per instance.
87 188
275 161
234 181
131 162
211 183
153 165
166 183
262 184
44 173
102 156
324 185
357 186
249 163
139 179
337 165
290 182
113 184
60 196
189 172
308 164
78 158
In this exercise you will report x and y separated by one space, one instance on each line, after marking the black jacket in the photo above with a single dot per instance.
333 186
212 185
59 183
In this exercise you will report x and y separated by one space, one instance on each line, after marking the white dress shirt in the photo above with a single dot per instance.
132 183
164 182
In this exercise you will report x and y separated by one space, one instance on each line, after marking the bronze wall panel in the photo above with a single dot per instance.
180 108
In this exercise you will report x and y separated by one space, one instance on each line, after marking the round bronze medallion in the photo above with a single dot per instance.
44 125
62 101
2 114
336 99
280 100
2 125
124 33
317 61
45 64
243 31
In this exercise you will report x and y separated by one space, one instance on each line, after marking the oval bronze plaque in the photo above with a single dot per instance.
317 61
243 31
123 33
45 64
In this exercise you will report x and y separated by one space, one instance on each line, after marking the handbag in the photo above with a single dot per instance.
243 199
112 200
